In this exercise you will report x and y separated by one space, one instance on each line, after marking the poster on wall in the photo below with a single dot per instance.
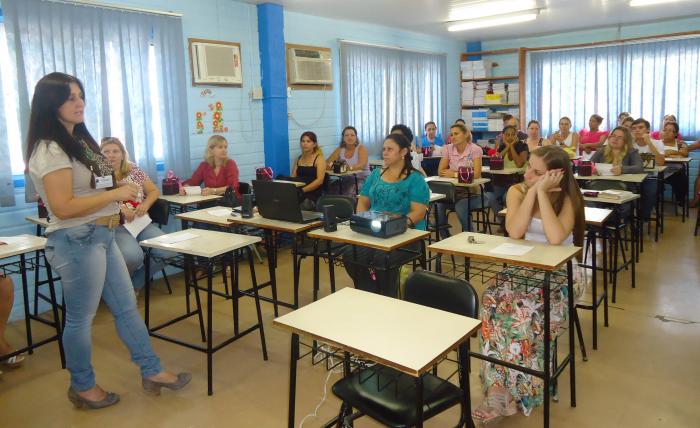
215 63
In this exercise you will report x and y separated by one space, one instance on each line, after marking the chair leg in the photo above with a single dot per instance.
257 254
581 343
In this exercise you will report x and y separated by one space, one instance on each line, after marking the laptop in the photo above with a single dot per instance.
280 201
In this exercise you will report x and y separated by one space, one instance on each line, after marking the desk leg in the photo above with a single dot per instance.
331 265
57 320
572 344
272 265
189 265
293 380
423 260
639 247
438 260
316 270
210 352
594 291
419 401
25 295
296 269
547 370
147 305
233 257
257 301
357 186
605 276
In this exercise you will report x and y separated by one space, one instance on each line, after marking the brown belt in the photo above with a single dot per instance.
111 221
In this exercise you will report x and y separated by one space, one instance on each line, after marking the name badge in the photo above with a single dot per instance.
103 182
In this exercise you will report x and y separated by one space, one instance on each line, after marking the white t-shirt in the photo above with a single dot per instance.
49 157
645 149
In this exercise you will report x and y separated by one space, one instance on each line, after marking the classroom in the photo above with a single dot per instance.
323 213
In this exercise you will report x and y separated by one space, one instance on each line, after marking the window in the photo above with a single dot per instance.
10 100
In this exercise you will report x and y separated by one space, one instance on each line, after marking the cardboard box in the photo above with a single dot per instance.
494 99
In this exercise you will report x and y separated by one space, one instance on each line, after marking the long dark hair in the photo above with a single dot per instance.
405 131
555 157
50 93
312 137
342 135
403 143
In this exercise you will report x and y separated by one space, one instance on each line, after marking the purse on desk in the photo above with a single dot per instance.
585 168
465 174
496 163
171 183
648 160
264 173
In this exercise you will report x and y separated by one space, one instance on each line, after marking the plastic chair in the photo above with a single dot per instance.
389 396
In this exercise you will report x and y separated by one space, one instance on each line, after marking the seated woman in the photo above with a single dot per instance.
6 302
460 153
416 153
620 153
675 147
354 154
547 207
431 137
668 118
395 188
309 169
534 139
565 137
147 194
217 171
514 153
590 139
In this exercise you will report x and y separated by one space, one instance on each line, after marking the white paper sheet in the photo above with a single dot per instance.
192 190
220 212
138 224
9 240
511 249
174 239
604 168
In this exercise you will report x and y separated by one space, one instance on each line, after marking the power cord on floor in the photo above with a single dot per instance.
323 349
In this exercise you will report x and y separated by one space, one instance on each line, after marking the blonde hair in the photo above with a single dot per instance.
125 165
213 141
627 137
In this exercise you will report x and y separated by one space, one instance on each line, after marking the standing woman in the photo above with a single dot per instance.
146 195
591 138
534 139
355 156
217 171
309 168
396 188
77 184
565 137
462 152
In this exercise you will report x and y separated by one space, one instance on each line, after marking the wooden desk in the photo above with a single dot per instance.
375 327
20 246
477 182
625 178
544 257
207 244
340 176
434 197
345 235
181 202
504 171
296 183
41 223
596 219
271 228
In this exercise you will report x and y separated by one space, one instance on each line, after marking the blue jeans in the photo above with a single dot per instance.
91 267
496 199
462 208
133 253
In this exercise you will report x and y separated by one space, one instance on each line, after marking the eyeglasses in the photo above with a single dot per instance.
616 137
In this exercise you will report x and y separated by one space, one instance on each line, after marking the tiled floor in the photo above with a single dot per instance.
644 374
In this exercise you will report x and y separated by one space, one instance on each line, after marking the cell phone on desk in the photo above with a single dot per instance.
590 194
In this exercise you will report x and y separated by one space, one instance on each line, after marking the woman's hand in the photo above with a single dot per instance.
128 213
140 210
125 192
181 192
549 182
616 169
208 191
447 173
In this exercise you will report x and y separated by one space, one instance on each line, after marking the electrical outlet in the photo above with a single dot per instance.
289 115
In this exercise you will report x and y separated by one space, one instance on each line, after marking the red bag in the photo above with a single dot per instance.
465 174
496 163
585 168
264 173
171 183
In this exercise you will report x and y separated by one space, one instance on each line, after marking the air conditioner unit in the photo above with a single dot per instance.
215 63
310 67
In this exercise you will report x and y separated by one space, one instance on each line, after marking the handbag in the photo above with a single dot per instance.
264 173
465 174
230 198
585 168
648 160
171 183
496 163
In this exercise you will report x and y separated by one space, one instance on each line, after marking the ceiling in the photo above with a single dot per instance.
429 16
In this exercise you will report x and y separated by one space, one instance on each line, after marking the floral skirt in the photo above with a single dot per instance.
512 329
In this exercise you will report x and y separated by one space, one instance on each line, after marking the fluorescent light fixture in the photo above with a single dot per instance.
638 3
482 9
495 21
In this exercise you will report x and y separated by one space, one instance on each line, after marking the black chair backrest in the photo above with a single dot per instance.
160 212
344 205
447 189
605 185
442 292
243 188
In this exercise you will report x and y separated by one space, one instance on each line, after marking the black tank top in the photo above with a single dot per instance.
307 174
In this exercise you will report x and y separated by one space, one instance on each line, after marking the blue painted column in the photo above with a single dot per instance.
274 85
474 47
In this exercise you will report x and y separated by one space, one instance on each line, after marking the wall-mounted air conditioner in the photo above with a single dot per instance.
310 67
215 63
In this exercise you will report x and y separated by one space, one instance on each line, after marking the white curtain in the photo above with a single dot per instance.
7 191
381 87
123 59
646 79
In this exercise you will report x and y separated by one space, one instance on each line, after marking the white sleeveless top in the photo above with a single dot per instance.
567 140
535 232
